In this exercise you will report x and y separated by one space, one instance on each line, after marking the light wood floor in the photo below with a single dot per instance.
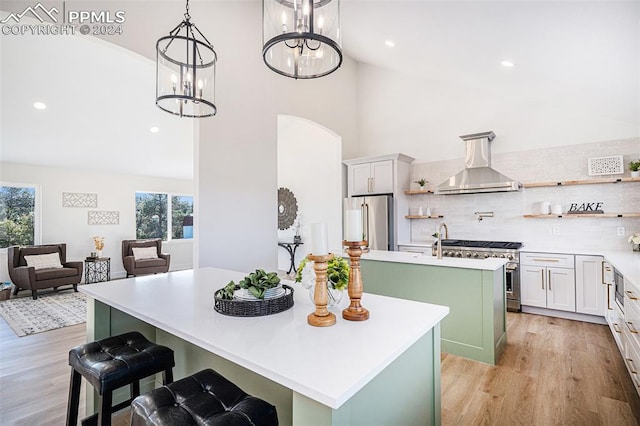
553 372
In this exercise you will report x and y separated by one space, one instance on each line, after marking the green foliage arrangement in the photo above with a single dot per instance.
634 166
421 181
257 283
337 273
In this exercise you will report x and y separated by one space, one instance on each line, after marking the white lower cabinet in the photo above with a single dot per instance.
413 248
545 286
614 315
631 334
591 290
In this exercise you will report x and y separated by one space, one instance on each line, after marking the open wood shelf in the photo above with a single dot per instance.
579 182
415 216
589 215
417 191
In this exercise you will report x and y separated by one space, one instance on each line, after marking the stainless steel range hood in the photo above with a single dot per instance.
477 176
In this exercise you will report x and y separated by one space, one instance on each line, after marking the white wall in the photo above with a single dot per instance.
310 165
238 148
423 118
538 165
116 192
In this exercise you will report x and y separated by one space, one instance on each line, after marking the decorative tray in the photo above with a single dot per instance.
253 308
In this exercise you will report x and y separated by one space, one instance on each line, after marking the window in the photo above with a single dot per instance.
181 217
166 216
18 215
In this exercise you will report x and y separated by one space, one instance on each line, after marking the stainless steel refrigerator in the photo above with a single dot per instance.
377 219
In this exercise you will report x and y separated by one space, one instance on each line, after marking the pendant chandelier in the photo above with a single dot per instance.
185 71
301 37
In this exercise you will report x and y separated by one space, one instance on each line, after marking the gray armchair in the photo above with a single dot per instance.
144 266
28 278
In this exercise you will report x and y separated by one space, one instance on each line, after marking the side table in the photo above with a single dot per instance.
97 269
291 249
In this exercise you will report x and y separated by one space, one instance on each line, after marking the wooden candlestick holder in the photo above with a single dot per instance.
355 311
321 317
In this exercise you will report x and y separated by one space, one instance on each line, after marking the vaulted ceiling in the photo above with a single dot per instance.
565 48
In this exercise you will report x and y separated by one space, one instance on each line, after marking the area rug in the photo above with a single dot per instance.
26 316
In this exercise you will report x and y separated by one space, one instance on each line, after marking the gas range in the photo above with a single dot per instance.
479 249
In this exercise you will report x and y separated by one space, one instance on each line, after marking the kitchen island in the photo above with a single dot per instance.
473 289
382 371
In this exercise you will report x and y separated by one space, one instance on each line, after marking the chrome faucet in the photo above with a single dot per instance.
446 236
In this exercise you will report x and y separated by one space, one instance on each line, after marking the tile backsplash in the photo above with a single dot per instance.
508 222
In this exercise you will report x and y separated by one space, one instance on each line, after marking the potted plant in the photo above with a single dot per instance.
337 278
634 166
421 182
255 284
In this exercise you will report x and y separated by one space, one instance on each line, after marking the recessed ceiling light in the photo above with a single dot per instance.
389 43
154 129
507 64
39 105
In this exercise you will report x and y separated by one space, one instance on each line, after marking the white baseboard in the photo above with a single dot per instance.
563 314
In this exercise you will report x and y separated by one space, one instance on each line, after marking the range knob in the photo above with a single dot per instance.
494 255
510 257
501 256
458 254
468 254
486 255
475 255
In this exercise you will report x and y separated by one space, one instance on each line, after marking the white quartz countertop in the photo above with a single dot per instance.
625 261
490 264
327 364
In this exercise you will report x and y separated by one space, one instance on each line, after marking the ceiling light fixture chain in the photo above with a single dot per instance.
185 71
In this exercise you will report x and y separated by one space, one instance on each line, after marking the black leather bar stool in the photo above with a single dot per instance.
111 363
204 399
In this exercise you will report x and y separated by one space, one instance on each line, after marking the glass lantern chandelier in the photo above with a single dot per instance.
185 71
301 38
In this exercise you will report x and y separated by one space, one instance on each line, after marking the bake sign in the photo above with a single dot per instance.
577 208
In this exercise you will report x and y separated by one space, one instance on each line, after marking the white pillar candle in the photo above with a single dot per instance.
353 228
319 239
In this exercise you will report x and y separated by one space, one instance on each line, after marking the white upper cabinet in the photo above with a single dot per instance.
371 178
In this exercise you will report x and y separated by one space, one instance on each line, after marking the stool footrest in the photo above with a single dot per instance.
93 419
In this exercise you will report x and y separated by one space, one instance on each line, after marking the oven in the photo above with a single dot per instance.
512 284
618 281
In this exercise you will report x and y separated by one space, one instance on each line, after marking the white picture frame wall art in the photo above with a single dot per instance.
601 166
79 199
103 218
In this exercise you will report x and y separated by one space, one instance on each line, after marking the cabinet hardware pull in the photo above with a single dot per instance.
631 296
631 365
609 297
549 283
542 278
632 328
615 328
545 260
603 267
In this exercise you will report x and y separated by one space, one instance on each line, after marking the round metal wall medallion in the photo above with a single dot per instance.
287 208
